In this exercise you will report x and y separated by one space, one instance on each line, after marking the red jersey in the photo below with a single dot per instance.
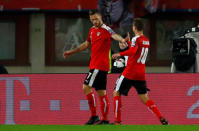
100 39
137 52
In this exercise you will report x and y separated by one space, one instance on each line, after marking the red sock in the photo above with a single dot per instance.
104 106
92 103
153 108
117 108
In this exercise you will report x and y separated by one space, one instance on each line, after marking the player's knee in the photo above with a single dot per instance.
142 90
101 92
144 98
86 89
116 93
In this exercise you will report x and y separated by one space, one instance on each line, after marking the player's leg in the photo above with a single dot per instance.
142 93
87 88
152 106
91 99
104 106
117 107
92 105
123 86
100 87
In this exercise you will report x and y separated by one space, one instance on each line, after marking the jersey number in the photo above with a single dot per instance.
143 55
89 75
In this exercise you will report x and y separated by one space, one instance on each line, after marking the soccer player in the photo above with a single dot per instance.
134 73
99 40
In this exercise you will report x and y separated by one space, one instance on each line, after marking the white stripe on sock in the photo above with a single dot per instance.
105 105
116 108
94 100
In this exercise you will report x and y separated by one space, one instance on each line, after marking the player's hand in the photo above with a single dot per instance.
67 54
123 45
116 55
127 37
123 41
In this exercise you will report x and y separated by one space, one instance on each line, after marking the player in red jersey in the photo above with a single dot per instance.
99 40
134 73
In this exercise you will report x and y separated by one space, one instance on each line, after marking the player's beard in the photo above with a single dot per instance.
98 24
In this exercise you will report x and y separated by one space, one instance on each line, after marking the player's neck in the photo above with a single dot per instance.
99 25
138 33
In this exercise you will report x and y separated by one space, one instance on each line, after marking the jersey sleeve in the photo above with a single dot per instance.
89 37
109 30
131 51
129 43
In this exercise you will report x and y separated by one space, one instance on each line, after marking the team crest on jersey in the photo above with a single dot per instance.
98 33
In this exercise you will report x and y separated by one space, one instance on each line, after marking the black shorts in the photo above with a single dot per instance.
96 79
123 85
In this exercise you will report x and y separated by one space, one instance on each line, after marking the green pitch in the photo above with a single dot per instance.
99 128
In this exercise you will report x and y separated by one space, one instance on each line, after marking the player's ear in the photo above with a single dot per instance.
135 28
99 16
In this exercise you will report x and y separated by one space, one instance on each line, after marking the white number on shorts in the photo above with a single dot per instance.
190 113
89 75
143 55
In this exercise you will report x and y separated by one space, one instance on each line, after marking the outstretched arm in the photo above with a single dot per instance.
118 38
129 52
80 48
123 43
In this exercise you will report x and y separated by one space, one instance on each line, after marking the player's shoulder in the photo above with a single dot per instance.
143 40
92 28
104 26
143 37
134 39
107 28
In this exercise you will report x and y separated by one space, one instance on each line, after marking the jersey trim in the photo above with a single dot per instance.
133 40
108 29
119 82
